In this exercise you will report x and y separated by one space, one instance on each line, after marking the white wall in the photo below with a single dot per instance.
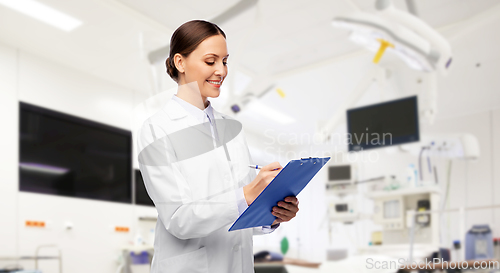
496 170
92 245
9 155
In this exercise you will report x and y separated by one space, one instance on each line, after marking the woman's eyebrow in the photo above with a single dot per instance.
213 54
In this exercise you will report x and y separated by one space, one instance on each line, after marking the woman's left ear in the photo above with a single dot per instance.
179 62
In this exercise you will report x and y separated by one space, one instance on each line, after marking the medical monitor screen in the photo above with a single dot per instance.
339 173
70 156
141 195
384 124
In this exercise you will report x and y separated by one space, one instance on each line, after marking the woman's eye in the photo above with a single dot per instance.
212 63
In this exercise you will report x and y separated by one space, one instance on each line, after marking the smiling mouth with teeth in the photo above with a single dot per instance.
215 82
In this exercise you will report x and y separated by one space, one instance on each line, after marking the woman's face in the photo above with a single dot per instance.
206 65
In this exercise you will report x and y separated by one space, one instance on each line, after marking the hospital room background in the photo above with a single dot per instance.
303 75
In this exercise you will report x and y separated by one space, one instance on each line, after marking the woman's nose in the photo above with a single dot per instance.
220 71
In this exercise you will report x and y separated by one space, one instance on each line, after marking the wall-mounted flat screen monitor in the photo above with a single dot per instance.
141 195
69 156
384 124
340 174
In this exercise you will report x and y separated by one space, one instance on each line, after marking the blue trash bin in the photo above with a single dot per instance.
141 258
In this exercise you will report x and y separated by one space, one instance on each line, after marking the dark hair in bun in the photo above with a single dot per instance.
186 39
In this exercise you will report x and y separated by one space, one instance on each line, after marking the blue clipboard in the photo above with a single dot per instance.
289 182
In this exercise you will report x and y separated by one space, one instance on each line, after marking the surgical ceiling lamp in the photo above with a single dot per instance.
388 29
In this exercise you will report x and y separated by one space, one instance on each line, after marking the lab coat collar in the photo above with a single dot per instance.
176 111
199 114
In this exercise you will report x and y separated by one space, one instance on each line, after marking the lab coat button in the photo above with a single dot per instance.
236 248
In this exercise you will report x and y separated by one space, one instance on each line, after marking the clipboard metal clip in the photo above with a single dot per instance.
317 159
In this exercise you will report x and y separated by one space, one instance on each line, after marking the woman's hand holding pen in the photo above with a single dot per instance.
286 209
265 176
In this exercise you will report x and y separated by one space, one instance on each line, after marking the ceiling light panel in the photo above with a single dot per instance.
43 13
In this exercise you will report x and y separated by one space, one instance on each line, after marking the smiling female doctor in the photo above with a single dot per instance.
194 161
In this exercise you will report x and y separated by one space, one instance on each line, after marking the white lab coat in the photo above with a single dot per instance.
195 198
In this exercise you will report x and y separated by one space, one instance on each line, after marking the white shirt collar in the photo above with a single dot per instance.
200 115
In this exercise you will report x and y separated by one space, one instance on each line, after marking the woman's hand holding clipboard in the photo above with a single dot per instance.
286 209
285 183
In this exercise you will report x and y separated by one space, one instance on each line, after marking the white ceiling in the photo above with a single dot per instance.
172 13
272 38
275 36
